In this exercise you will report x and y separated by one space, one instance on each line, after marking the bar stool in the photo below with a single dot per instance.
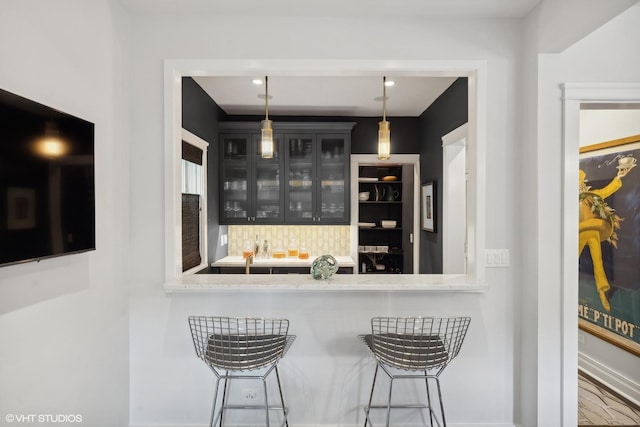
414 348
241 348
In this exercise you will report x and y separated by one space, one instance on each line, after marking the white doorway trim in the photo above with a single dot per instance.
574 95
454 196
372 159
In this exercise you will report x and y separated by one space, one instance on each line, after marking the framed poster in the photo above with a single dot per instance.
609 242
428 197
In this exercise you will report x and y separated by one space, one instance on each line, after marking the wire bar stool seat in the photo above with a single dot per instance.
414 348
241 348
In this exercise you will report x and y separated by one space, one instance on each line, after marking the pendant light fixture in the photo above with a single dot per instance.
384 133
267 130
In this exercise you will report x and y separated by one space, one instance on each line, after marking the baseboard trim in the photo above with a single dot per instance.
612 379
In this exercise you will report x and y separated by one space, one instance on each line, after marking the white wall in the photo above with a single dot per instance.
64 321
327 373
598 126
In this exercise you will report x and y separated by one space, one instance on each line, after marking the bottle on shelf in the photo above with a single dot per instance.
256 247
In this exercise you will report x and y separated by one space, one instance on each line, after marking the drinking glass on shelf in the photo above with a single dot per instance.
293 247
303 253
279 252
247 249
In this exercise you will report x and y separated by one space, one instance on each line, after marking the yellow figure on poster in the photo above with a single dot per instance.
598 223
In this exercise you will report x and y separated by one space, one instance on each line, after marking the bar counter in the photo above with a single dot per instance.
238 283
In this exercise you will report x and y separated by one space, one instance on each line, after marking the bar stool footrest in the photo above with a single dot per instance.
284 411
416 406
432 413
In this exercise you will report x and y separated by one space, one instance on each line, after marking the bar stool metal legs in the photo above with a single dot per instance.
241 348
218 411
417 348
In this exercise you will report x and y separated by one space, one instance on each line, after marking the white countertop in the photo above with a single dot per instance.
238 261
209 283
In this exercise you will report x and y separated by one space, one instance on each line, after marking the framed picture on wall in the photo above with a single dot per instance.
609 242
21 208
428 198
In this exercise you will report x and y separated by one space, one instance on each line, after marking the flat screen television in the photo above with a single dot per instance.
47 188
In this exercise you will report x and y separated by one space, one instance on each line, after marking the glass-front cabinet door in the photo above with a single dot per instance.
267 201
317 168
300 155
333 170
250 185
234 195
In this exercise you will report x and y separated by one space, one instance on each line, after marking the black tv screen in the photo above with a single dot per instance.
47 189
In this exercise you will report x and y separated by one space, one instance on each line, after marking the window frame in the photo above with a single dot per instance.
475 70
203 145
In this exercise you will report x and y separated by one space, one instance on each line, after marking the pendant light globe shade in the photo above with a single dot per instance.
267 140
384 132
267 129
384 140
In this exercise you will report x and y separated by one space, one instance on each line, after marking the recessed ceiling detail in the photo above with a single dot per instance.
326 95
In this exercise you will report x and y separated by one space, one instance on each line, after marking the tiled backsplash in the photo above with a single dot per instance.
318 239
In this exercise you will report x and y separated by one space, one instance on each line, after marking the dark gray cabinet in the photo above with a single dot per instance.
307 181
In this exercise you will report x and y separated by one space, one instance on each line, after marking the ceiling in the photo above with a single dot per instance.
359 96
342 8
331 95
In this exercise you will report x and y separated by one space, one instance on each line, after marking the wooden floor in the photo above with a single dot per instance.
600 406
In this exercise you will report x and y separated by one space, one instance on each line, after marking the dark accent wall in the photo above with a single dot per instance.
447 113
405 135
200 116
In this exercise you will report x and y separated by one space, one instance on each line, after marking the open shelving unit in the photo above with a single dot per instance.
381 249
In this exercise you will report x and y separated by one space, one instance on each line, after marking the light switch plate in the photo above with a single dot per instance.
497 258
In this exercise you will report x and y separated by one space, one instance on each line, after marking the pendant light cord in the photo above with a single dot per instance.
384 98
266 97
